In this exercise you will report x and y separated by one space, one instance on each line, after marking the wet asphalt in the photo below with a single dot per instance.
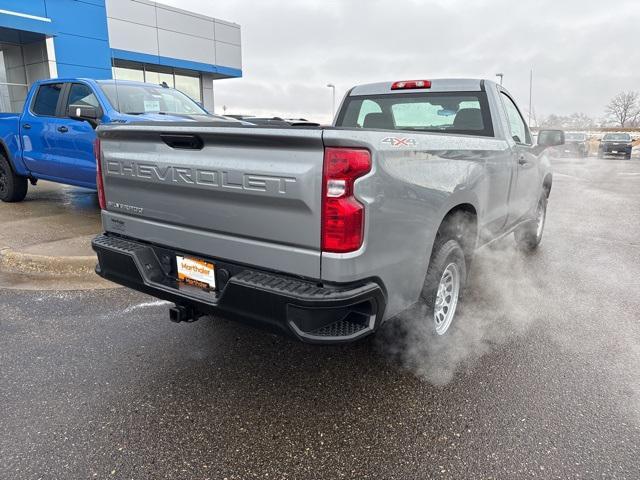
539 379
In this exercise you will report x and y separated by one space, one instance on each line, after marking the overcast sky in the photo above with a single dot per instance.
582 52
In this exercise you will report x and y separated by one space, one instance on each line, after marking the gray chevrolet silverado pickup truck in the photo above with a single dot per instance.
323 233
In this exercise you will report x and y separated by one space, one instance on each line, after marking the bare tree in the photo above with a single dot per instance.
575 121
624 108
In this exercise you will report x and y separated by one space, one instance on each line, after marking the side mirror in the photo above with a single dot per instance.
83 112
550 138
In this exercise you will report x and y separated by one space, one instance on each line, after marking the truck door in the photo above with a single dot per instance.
41 127
77 140
524 189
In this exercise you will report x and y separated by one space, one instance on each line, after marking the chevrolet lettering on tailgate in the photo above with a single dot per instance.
200 177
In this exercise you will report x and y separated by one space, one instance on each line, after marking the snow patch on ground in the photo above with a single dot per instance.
139 306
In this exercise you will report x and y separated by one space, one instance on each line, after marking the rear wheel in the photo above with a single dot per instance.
13 188
529 235
443 285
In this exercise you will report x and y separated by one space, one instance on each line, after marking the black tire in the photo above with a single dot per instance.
13 188
529 235
446 252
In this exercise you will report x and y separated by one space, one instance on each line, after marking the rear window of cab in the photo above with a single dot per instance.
444 112
617 137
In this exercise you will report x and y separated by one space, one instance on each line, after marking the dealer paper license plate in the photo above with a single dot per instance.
196 272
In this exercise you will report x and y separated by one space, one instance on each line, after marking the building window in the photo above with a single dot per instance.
187 82
189 85
123 73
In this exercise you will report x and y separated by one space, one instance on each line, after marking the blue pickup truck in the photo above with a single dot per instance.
53 138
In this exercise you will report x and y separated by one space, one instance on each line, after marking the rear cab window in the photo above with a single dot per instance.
576 137
464 113
45 103
617 137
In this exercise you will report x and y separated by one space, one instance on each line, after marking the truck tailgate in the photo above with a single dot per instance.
245 194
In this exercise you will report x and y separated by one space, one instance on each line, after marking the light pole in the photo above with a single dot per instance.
530 95
333 100
500 75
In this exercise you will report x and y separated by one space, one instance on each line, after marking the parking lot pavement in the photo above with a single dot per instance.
45 241
51 212
541 378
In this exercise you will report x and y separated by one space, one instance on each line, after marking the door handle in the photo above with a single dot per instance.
63 129
26 126
522 161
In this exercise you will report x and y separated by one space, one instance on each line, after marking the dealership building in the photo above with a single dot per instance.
123 39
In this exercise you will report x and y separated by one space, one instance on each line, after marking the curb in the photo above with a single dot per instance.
27 263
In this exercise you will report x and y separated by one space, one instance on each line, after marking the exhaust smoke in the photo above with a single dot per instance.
500 302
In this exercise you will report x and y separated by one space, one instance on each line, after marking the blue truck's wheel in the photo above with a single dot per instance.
13 188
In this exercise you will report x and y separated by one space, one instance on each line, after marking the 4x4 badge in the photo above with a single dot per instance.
399 141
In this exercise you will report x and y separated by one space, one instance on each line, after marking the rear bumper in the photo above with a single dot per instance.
616 150
324 314
571 149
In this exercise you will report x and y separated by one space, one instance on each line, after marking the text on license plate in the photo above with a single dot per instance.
196 272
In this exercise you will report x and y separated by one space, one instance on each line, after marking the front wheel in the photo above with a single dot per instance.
529 235
443 285
13 188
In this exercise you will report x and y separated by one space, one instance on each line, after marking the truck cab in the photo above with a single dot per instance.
53 138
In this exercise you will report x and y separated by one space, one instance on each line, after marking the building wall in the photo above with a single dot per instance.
143 31
36 62
81 40
208 99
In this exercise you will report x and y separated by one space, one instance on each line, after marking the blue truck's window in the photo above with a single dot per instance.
46 100
80 94
146 98
518 128
445 112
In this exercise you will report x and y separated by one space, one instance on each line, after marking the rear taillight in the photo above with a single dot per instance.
342 213
99 182
411 84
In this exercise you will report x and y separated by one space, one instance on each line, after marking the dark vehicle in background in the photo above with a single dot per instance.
576 145
619 144
275 121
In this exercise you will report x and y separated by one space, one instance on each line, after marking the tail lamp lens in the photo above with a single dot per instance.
342 213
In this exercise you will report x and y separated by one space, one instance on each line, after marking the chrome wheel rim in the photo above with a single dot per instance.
540 218
446 298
